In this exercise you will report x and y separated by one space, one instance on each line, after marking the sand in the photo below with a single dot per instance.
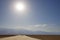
19 37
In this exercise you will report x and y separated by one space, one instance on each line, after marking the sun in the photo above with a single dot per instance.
19 6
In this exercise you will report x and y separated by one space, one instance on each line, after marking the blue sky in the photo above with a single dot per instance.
43 15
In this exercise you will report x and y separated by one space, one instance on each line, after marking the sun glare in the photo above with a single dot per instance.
20 6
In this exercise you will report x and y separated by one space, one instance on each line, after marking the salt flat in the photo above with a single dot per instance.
19 37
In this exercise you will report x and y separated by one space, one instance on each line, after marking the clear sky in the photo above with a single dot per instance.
42 15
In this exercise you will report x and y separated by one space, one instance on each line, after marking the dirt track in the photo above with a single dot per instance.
19 37
43 37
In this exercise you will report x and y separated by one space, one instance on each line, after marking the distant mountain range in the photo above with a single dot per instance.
4 31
